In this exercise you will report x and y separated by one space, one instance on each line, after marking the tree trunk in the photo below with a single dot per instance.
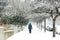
54 19
54 28
41 26
37 25
44 25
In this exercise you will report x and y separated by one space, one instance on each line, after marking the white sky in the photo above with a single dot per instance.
24 0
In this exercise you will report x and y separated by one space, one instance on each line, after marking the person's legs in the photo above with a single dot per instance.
29 31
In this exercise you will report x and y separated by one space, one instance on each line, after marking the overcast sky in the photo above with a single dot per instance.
24 0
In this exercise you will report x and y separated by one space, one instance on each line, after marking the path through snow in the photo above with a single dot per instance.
36 34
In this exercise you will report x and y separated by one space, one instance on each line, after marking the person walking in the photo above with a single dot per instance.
30 27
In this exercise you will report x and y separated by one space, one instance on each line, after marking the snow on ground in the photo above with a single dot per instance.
36 34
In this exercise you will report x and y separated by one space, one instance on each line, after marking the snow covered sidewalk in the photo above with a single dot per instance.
35 35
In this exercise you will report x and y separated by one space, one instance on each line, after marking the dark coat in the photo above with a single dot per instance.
30 26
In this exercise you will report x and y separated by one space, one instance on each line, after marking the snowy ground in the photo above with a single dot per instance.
36 34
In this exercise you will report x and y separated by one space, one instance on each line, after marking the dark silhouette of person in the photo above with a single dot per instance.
30 27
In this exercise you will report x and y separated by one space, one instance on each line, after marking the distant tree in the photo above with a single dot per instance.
15 20
5 20
18 20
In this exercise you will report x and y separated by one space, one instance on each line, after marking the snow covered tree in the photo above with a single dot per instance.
19 20
45 6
